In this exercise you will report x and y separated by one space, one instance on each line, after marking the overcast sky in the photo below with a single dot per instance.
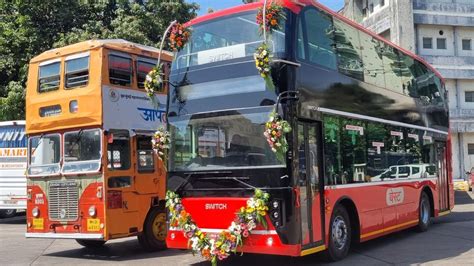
221 4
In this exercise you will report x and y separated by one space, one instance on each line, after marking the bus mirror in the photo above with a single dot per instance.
286 95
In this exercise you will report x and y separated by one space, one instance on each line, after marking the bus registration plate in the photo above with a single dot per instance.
38 223
93 225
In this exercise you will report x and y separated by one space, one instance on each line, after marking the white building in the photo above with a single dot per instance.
442 32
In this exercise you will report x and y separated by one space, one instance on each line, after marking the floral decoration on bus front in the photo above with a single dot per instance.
275 130
179 36
263 58
273 16
154 81
227 241
161 143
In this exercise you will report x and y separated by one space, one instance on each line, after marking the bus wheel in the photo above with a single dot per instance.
90 243
153 236
7 213
339 234
424 213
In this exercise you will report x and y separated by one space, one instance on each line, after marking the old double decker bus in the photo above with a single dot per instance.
369 153
92 173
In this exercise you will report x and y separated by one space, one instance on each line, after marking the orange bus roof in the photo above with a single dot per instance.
118 44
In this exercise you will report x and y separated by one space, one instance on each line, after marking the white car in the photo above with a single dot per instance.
407 171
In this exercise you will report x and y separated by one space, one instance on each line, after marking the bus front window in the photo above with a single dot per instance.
82 151
226 38
44 153
222 140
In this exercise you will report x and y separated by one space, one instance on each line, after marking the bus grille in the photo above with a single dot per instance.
63 201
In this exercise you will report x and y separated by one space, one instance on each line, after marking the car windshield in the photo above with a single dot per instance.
221 140
44 154
82 151
226 38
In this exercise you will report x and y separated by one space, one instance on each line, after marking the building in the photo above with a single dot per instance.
442 32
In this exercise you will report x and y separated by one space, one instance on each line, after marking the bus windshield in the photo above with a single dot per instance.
82 151
44 154
221 140
226 38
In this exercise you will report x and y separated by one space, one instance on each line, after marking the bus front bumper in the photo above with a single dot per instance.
65 236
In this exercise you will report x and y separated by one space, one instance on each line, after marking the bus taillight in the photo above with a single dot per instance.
276 214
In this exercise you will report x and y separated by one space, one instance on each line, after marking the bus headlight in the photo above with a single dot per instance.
35 212
92 211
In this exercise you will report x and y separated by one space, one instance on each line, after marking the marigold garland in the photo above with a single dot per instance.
273 16
161 142
178 37
154 81
227 241
275 130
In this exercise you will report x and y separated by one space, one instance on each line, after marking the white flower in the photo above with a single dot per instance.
278 144
264 52
148 78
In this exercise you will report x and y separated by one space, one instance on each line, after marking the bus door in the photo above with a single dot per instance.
148 175
443 184
122 201
311 189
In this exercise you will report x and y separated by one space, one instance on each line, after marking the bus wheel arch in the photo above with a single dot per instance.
429 193
153 235
351 209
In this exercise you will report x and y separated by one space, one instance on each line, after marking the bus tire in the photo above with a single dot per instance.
7 213
424 213
153 237
91 243
340 233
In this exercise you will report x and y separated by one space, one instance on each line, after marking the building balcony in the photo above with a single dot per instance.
438 13
452 67
459 113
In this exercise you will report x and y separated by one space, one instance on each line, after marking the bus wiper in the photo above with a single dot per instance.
36 146
78 138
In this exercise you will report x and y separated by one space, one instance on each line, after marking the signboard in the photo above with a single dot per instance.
12 158
132 110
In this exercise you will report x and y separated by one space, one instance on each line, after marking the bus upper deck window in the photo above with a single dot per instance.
49 77
77 72
143 67
120 70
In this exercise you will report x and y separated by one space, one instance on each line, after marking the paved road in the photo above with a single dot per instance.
450 241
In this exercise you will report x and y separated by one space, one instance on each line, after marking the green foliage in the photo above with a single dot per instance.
28 28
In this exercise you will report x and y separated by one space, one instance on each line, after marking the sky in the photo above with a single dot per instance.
222 4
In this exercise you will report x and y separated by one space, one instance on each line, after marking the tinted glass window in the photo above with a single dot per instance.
120 70
441 43
466 44
143 67
332 150
348 50
427 43
372 56
392 68
319 41
376 150
469 95
49 77
77 72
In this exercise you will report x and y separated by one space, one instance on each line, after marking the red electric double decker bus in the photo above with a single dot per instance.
369 153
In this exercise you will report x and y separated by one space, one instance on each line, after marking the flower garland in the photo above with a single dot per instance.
154 81
227 241
263 57
275 130
273 16
161 142
178 37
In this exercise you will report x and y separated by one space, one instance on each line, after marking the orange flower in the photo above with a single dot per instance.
183 213
273 22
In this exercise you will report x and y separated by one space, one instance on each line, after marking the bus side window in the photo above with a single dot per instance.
120 70
49 77
118 151
145 154
77 72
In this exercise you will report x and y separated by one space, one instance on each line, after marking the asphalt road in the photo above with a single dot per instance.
449 241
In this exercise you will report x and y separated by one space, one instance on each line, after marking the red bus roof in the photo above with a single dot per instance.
295 6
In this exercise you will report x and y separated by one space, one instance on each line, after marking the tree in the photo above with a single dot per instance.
30 28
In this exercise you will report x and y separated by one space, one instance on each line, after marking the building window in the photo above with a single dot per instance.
371 8
470 149
469 96
466 44
427 43
441 43
382 2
